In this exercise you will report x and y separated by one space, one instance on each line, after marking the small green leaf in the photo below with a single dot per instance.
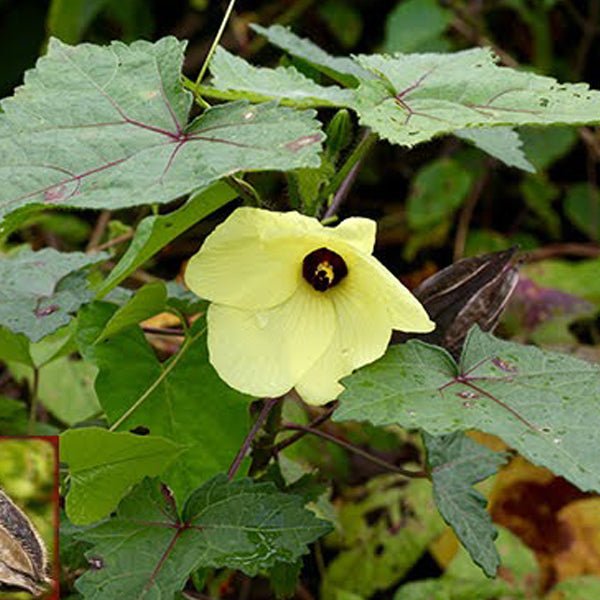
240 525
145 303
13 417
343 20
543 404
502 143
65 388
456 464
419 96
104 465
437 191
447 588
182 399
14 348
576 588
582 207
68 19
232 73
155 232
340 68
121 136
40 290
539 193
416 26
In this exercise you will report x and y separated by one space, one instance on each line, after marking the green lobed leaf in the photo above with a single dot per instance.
457 463
419 96
232 73
182 399
240 525
104 465
502 143
121 136
543 404
437 190
146 302
155 232
416 26
340 68
41 289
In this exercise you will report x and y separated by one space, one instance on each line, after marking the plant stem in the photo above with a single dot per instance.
358 451
300 434
33 400
268 405
212 49
341 183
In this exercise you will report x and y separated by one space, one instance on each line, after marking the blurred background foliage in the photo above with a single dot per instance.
27 476
435 203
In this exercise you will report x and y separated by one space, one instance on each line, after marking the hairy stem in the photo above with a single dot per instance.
268 405
341 183
33 400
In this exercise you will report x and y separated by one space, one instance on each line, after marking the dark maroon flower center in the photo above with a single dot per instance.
323 268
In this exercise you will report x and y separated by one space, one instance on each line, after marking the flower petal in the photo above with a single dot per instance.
265 353
406 313
368 303
253 259
363 331
358 232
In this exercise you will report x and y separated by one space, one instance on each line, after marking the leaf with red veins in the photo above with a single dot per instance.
41 290
416 97
107 127
240 525
542 404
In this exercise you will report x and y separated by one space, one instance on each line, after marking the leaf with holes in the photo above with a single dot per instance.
416 97
104 465
182 399
241 525
456 463
120 135
40 290
543 404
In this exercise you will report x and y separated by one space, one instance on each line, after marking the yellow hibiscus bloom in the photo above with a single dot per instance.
297 304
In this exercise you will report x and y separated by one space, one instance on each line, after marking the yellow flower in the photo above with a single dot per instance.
297 304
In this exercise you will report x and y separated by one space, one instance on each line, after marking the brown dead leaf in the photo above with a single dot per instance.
580 527
529 501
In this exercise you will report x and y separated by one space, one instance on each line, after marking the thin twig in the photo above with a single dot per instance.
358 451
466 214
268 405
124 237
590 250
99 229
292 439
164 331
33 400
